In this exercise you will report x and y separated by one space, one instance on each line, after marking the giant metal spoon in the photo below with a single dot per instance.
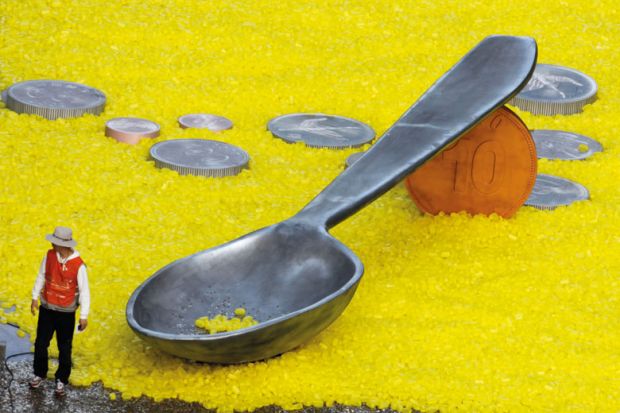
293 276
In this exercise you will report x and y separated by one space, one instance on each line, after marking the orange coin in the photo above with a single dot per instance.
490 169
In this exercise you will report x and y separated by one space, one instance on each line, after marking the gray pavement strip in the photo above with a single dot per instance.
91 399
96 399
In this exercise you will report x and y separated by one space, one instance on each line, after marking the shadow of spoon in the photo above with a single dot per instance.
293 276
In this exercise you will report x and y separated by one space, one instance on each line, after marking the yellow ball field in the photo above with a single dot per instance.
454 313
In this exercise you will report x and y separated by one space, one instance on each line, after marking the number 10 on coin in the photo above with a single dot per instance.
491 169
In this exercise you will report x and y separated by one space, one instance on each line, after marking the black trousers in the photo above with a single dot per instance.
51 321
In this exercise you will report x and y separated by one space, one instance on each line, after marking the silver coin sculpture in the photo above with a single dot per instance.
200 157
3 97
556 144
554 90
131 130
351 159
53 99
321 131
550 192
213 123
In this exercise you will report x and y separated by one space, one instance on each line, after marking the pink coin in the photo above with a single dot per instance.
131 130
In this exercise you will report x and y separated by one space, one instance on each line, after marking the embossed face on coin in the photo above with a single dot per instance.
551 192
556 90
131 130
199 157
54 99
491 169
555 144
321 131
214 123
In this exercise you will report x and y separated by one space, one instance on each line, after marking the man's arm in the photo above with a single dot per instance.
82 280
38 286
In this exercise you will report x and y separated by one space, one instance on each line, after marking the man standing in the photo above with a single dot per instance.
62 285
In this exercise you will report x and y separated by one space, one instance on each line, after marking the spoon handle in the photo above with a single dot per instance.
483 80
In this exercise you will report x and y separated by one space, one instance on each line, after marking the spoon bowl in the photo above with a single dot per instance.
293 298
294 277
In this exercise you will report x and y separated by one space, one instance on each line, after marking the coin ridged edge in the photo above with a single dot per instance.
546 207
550 108
531 145
207 172
51 113
214 173
357 145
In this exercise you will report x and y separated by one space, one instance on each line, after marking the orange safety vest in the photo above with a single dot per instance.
61 288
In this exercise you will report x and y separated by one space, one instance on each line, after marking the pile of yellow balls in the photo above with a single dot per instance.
221 323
